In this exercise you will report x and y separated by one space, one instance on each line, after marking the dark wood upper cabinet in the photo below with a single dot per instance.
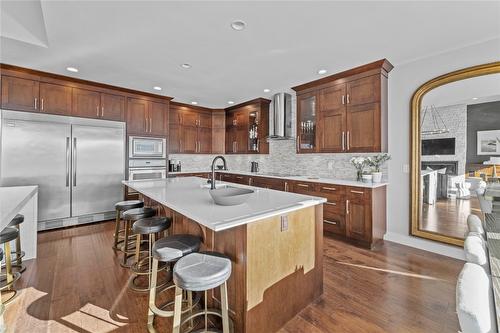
20 94
158 116
113 107
205 120
204 140
351 111
189 139
55 98
137 111
247 127
86 103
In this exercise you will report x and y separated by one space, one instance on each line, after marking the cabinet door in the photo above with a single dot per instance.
363 91
174 139
204 140
189 139
189 118
86 103
20 94
137 110
55 98
363 128
306 123
204 120
241 134
157 118
112 107
331 119
358 214
333 222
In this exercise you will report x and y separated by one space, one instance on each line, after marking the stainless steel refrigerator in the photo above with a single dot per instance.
77 163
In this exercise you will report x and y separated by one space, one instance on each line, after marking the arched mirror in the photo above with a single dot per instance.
455 150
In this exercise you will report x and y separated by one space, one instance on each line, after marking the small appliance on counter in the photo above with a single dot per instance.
174 166
254 167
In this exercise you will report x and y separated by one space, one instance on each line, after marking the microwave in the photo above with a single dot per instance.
147 147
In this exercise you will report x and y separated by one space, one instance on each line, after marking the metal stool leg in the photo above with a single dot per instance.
117 229
125 243
8 263
224 308
177 310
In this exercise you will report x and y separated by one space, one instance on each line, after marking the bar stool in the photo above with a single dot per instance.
150 226
7 235
121 207
202 272
168 250
19 253
131 216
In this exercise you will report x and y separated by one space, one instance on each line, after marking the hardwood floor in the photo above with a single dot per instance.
449 216
77 285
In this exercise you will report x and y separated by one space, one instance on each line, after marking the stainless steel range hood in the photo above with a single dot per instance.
280 120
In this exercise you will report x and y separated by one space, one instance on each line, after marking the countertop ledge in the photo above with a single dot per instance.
12 199
333 181
189 196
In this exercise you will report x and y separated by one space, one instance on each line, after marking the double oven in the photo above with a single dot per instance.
147 158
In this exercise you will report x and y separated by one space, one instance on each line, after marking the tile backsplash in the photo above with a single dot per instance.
282 158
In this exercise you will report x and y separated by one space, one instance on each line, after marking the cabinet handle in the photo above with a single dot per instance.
97 110
343 99
331 203
150 124
102 111
250 181
303 185
330 222
239 177
298 143
146 123
347 207
343 140
36 103
286 186
42 104
348 101
357 192
348 140
329 188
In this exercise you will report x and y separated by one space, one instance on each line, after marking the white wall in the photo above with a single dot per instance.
403 81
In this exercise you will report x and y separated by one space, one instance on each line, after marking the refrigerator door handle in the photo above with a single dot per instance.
74 162
68 157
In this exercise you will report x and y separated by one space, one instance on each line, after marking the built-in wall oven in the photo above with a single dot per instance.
147 159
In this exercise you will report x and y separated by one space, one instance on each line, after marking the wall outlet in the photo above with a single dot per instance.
284 223
330 165
406 168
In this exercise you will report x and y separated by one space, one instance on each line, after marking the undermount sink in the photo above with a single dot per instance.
230 196
217 185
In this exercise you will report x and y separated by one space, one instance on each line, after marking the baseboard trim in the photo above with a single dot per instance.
426 245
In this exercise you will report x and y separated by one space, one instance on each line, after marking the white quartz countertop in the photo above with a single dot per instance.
189 197
12 199
332 181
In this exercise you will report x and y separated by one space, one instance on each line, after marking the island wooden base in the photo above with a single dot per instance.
277 269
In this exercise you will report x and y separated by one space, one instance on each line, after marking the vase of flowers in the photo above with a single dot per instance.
359 163
376 163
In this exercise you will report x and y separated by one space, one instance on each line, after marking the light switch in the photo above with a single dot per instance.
284 223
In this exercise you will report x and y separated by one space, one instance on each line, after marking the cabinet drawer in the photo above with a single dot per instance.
304 188
358 193
331 189
334 223
334 206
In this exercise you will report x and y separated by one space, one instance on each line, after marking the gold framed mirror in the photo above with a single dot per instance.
427 180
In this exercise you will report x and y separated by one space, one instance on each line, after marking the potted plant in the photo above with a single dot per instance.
376 163
359 163
367 177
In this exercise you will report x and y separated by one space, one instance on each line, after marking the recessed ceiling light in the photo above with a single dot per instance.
72 69
474 98
267 90
157 88
230 102
238 25
322 71
194 103
186 66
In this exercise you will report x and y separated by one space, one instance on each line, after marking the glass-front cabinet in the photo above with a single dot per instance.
253 131
306 122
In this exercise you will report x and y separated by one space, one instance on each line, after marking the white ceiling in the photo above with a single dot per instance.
140 44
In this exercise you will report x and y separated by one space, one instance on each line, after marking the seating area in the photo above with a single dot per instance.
189 273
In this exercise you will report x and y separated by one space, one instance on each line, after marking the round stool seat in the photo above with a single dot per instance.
199 272
151 225
138 213
18 219
174 247
8 234
129 204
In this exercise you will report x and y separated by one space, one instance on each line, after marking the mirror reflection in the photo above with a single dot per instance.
460 152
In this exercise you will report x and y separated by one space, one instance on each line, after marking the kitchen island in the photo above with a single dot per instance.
274 241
